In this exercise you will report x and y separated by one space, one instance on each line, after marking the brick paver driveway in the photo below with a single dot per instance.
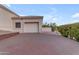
38 44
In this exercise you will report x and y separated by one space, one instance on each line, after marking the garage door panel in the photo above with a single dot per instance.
31 27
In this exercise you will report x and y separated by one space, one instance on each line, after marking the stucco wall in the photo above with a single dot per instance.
18 29
5 20
21 30
46 29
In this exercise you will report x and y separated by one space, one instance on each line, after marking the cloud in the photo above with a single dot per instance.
22 15
50 18
9 5
76 15
75 18
54 19
28 11
54 10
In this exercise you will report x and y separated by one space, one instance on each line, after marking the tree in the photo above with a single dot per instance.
53 26
45 25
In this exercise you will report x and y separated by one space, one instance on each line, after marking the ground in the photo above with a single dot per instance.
39 44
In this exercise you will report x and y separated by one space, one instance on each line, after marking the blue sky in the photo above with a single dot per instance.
58 13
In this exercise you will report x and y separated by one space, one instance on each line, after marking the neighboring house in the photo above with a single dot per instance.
10 21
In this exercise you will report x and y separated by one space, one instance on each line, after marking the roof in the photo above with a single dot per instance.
7 9
28 17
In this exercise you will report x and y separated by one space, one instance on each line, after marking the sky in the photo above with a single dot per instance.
53 13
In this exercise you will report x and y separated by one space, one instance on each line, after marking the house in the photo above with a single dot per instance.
10 21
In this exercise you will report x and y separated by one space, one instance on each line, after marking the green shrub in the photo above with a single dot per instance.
77 35
71 30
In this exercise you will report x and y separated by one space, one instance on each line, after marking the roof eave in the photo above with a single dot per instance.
2 6
28 17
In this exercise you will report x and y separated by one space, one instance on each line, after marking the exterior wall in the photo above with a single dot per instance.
5 20
21 30
46 29
18 29
40 25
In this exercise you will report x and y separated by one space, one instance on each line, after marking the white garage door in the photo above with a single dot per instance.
31 27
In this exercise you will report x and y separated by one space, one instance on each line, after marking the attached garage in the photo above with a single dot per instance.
31 27
27 24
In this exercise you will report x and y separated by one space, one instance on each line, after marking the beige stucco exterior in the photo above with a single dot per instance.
9 18
23 21
5 20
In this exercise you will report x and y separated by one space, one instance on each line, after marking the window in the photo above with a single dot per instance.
18 25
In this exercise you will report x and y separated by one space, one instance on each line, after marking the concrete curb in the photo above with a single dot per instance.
8 35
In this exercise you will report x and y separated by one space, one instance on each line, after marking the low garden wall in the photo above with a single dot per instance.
46 29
